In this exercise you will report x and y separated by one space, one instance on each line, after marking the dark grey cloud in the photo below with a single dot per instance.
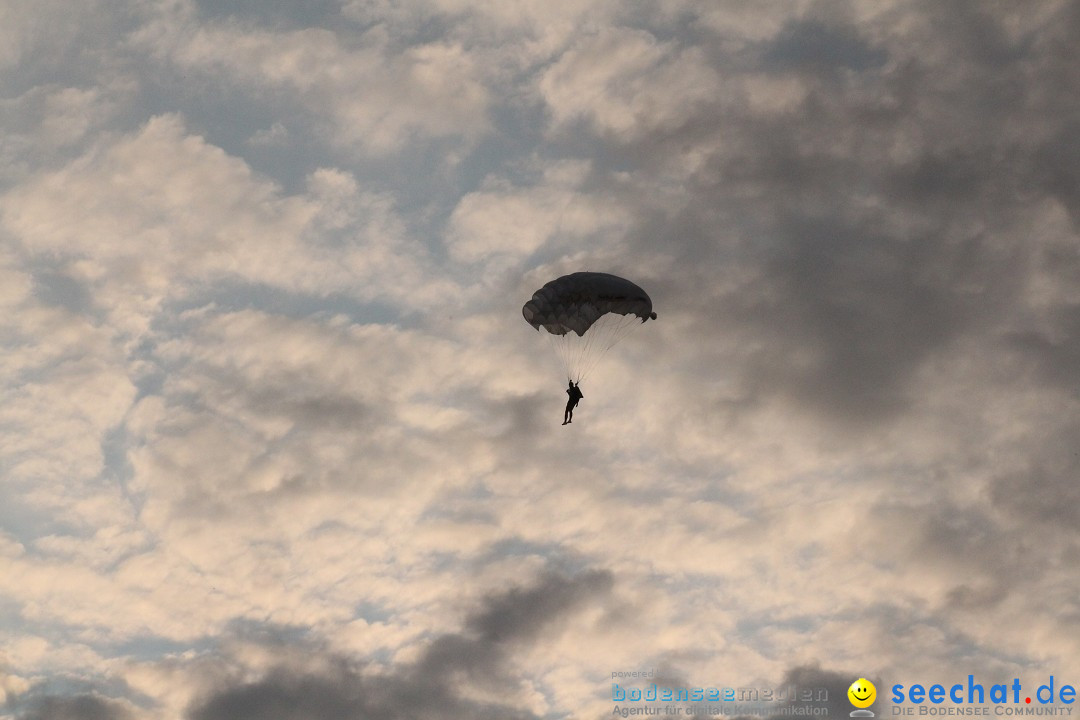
75 707
834 682
275 13
1044 489
1054 348
54 288
522 613
813 44
437 684
853 313
877 217
832 685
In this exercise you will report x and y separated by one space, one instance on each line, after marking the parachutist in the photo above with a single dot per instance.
575 396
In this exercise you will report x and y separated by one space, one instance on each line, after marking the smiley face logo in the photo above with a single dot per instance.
862 693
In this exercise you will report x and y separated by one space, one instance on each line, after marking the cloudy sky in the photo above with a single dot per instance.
275 441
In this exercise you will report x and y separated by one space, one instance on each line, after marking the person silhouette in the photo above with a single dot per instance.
575 396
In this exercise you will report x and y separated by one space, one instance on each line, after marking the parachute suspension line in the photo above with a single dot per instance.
580 354
560 344
612 329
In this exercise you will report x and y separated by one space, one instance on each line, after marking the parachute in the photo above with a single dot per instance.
585 315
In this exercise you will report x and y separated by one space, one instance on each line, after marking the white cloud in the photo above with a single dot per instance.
276 134
378 97
155 215
556 212
625 83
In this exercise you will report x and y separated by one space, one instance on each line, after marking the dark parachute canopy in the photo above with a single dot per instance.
585 314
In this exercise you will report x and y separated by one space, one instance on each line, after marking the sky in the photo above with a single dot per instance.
276 442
